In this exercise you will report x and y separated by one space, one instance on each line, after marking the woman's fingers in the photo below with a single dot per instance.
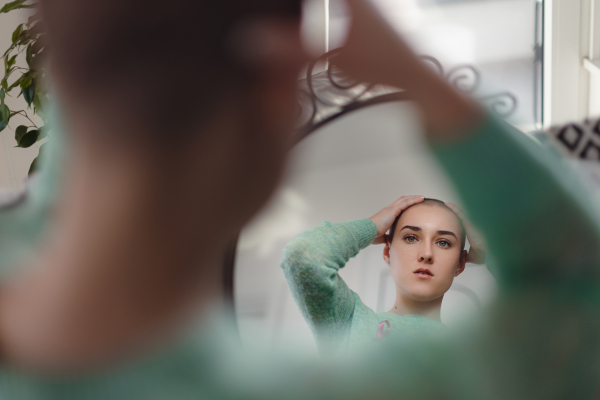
406 201
385 217
394 209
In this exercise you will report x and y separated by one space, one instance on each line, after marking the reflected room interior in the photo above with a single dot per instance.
359 148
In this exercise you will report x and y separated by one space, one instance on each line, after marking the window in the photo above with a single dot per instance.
501 38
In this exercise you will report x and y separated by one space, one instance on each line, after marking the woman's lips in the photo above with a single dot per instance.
423 273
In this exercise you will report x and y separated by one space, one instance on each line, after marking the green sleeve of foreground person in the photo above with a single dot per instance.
540 341
540 223
544 238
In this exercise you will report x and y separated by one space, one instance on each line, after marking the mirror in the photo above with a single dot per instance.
359 149
347 169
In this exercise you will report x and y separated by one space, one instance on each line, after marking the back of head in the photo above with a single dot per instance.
163 64
430 203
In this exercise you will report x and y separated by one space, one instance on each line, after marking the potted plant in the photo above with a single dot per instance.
24 79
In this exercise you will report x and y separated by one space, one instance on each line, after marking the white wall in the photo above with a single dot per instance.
14 162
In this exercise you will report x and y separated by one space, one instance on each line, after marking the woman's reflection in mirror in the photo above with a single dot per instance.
424 247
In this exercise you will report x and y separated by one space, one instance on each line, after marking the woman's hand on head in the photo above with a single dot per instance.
386 217
478 249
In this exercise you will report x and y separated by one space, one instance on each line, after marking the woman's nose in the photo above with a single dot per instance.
426 256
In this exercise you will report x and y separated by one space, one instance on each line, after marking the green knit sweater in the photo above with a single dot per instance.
539 341
336 314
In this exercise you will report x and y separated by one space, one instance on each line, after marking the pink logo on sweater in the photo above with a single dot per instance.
381 333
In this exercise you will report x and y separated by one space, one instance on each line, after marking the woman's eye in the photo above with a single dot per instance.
445 244
410 239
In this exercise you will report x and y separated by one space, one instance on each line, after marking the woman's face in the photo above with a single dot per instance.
425 254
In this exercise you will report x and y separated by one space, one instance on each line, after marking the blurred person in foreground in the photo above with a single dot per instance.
159 177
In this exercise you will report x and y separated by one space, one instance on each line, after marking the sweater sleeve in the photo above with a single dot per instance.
539 340
537 218
311 262
542 228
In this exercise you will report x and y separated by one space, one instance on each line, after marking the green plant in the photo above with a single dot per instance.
26 82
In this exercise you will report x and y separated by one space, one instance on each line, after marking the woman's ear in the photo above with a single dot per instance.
386 252
461 263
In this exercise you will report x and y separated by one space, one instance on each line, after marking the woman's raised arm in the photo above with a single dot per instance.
311 262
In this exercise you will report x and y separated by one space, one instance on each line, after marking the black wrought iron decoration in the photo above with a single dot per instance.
329 94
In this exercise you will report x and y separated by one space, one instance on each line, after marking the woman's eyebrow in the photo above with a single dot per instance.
413 228
417 229
447 233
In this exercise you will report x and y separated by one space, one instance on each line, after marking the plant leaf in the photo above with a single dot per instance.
29 55
9 72
17 33
24 38
4 113
20 132
28 94
12 6
27 79
11 62
3 125
35 164
11 48
28 139
2 95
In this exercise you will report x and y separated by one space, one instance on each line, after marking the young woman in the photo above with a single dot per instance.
424 249
136 250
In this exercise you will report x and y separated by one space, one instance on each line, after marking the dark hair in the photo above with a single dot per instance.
433 203
163 64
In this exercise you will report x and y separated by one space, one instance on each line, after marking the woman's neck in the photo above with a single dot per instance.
404 305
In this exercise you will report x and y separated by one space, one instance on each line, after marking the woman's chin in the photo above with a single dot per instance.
424 295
